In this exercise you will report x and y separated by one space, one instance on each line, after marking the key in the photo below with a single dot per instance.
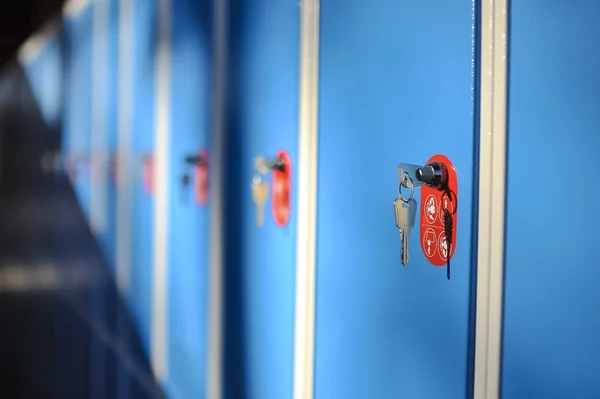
260 193
405 220
261 165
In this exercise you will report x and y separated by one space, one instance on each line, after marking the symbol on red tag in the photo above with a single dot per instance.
439 216
431 209
447 205
201 179
282 185
429 243
443 246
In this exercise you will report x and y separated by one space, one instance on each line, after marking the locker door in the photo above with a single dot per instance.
79 86
397 84
551 345
144 42
261 268
188 240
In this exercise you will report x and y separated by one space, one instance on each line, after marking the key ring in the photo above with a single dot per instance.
412 188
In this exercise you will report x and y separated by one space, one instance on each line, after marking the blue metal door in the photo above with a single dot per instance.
188 239
264 119
551 346
397 84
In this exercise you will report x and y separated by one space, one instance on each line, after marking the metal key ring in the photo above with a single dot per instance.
412 189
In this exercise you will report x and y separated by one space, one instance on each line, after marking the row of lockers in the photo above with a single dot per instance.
139 88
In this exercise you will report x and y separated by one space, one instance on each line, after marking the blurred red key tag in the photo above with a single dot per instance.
201 179
282 186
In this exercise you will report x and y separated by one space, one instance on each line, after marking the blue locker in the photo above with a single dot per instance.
188 240
77 126
264 59
142 217
397 84
551 327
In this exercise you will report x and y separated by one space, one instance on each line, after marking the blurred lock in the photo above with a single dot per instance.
148 173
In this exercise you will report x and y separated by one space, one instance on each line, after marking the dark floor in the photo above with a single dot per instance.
64 332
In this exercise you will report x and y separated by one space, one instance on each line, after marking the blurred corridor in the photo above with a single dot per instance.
66 333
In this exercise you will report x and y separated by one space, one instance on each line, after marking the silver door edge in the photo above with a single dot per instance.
29 51
73 8
304 334
124 238
99 116
214 378
160 283
492 198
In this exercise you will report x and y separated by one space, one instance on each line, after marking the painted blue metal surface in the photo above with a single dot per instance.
551 329
396 85
78 103
190 100
143 142
265 59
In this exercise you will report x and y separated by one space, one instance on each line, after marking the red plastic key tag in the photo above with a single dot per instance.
201 179
282 186
439 216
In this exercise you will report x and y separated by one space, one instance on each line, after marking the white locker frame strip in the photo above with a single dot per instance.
160 317
492 198
73 8
31 49
214 378
124 239
304 337
99 116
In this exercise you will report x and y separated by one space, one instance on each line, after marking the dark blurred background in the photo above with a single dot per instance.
20 18
64 332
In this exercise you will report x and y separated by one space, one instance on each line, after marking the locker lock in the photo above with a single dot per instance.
433 174
437 211
198 163
264 165
195 160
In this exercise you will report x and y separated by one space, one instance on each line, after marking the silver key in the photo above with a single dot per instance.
405 211
260 194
